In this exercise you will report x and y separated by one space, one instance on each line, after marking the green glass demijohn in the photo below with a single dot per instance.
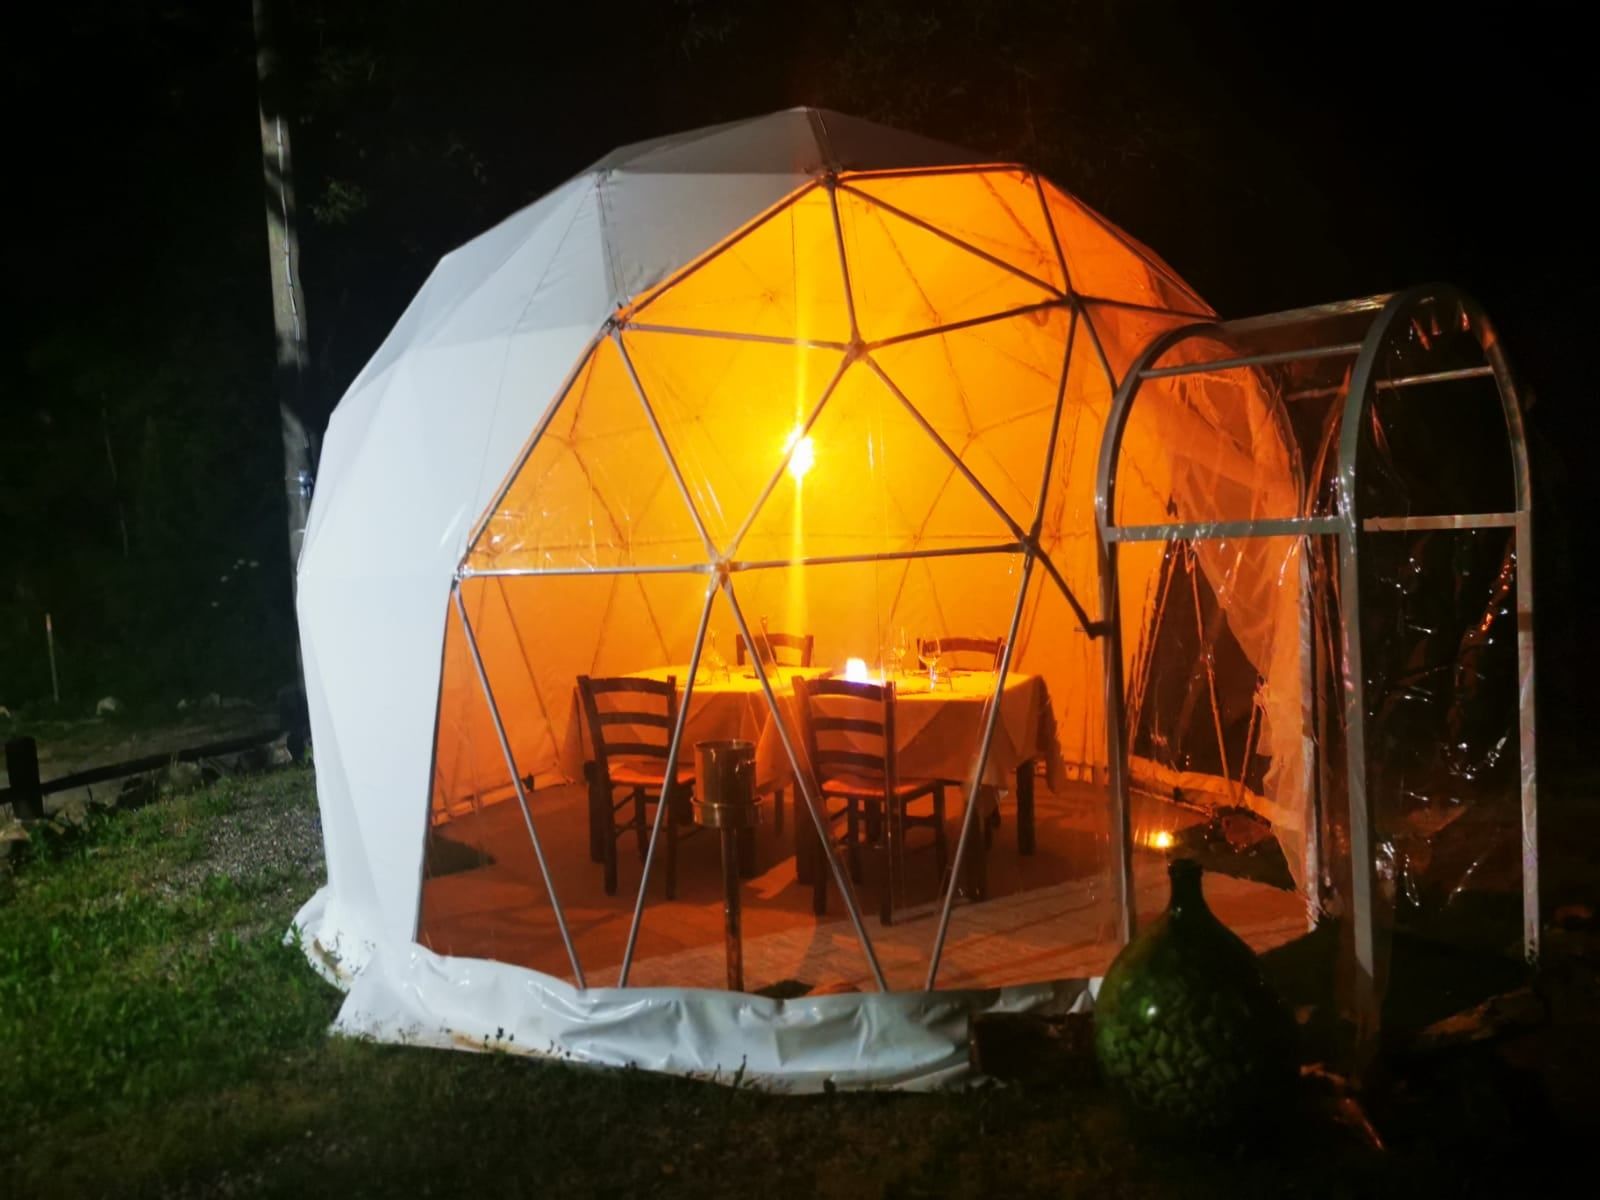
1186 1028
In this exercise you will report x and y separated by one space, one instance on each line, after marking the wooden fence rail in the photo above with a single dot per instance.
25 792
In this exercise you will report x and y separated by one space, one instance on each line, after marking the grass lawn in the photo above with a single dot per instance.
156 1037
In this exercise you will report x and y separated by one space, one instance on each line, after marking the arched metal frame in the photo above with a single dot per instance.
1520 521
1348 525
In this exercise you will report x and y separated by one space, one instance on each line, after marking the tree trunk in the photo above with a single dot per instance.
289 323
288 300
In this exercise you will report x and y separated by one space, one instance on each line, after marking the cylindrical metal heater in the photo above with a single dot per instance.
725 800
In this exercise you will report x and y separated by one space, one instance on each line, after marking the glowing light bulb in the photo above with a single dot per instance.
1161 840
855 670
802 454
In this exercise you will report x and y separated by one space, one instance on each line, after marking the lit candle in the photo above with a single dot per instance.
855 670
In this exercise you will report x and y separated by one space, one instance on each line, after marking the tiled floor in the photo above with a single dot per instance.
1048 915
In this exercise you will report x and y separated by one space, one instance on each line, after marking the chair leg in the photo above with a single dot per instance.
598 812
641 827
672 855
819 879
852 826
901 851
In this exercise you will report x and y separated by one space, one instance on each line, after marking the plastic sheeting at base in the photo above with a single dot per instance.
912 1041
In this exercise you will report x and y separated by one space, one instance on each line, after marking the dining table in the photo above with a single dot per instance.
938 728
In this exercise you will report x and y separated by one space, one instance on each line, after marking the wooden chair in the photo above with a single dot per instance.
645 710
875 801
803 644
989 649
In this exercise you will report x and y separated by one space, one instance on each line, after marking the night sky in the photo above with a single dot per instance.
1275 161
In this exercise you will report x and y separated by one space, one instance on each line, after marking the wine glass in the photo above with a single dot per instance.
768 657
899 651
716 665
928 653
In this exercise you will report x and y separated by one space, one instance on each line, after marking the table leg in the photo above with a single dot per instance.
976 867
977 873
1025 780
892 833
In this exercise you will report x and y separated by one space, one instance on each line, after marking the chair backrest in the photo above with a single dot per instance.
628 716
990 649
801 643
855 735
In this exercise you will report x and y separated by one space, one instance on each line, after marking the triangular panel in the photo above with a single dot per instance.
1067 531
680 941
594 490
998 212
1050 914
1102 262
858 612
483 892
906 278
877 483
469 770
728 409
781 278
990 390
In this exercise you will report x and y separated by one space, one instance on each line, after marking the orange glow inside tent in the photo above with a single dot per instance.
871 417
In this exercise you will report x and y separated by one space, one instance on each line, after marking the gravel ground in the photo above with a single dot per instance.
264 833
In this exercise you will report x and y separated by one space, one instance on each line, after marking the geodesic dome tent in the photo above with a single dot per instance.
792 431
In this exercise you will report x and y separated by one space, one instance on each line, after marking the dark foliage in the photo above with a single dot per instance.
1272 163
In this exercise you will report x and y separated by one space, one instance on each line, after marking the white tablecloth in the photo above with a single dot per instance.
937 732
